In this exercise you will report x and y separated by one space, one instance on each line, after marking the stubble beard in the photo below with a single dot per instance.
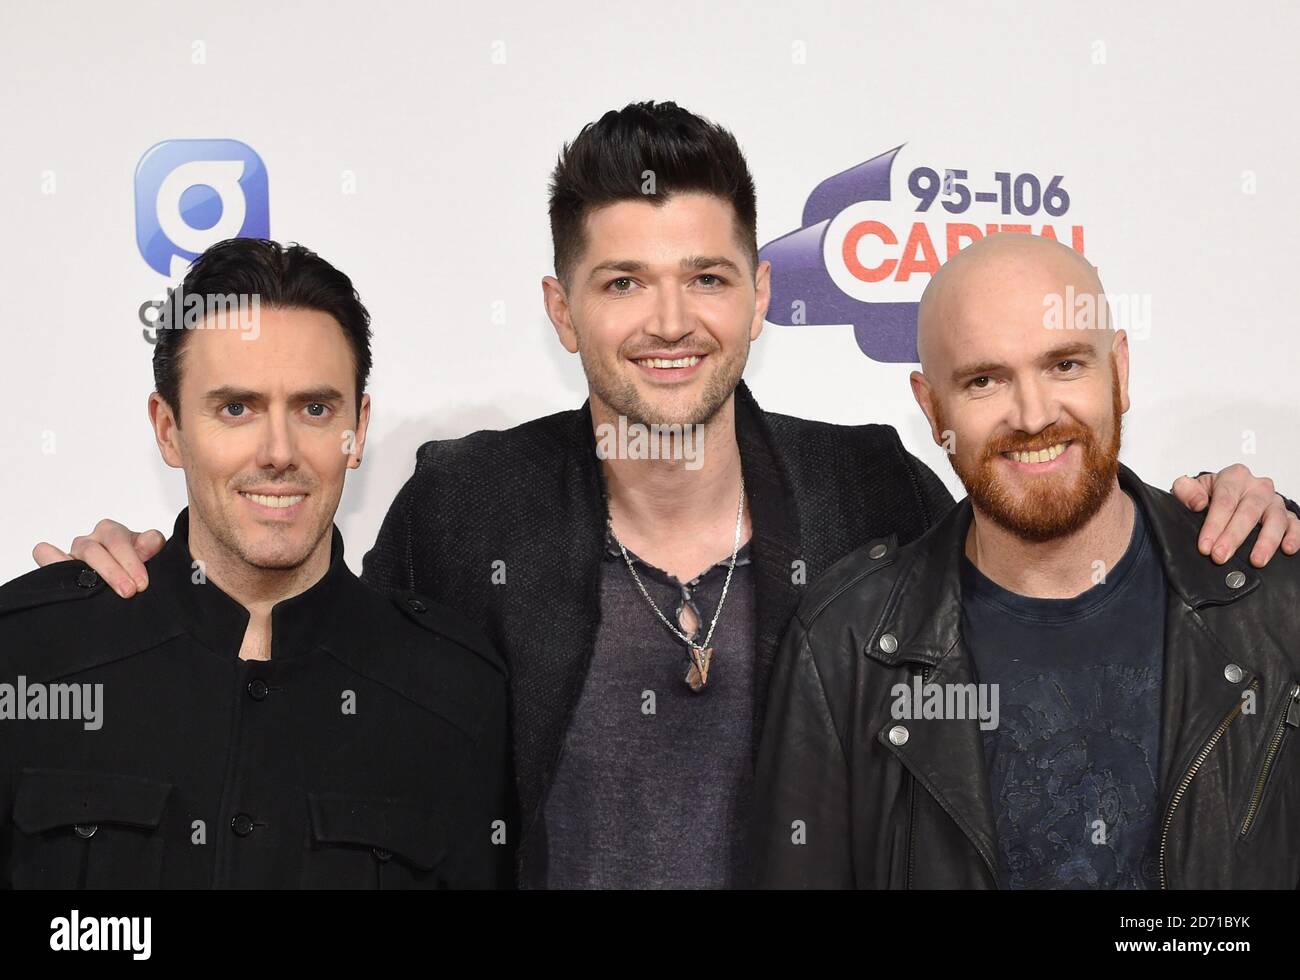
622 396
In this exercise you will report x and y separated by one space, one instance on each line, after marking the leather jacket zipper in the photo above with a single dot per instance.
1289 718
1190 775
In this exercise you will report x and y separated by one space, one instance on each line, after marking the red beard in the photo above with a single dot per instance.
1049 507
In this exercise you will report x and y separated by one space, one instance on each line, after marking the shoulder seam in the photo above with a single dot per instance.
474 736
490 656
809 619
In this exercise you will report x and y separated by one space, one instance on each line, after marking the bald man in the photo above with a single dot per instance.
1053 687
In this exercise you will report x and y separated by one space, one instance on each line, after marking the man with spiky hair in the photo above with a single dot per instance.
645 593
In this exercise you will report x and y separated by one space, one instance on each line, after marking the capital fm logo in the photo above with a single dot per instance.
190 194
874 234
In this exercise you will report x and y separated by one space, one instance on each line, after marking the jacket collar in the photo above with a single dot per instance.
299 624
776 545
921 613
1193 576
548 696
922 616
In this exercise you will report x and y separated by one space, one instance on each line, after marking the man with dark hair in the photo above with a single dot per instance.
638 559
259 717
262 274
612 160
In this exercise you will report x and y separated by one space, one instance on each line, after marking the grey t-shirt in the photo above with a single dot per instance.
653 788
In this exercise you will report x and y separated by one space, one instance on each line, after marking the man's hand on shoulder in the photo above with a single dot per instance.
114 551
1235 501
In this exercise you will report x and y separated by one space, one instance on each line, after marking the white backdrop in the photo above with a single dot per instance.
410 144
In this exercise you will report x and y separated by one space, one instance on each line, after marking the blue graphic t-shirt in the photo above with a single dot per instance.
1073 765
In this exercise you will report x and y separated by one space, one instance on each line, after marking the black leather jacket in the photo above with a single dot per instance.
840 805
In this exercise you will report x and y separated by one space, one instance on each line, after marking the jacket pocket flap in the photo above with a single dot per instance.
416 835
50 798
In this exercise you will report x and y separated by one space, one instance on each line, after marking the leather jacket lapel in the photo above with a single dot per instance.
946 757
1207 676
921 627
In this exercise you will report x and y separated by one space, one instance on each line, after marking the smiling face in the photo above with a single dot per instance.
661 307
1031 414
270 429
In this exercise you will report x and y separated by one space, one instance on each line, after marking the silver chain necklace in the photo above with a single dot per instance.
701 654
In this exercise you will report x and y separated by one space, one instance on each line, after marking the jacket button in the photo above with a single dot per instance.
1235 580
242 824
879 551
1233 673
380 854
889 643
86 830
257 689
898 735
416 605
88 579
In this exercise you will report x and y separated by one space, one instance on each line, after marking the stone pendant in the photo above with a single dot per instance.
698 675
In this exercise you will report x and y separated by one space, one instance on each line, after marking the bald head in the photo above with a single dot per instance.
1009 274
1024 382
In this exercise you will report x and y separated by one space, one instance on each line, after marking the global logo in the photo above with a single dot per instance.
874 234
190 194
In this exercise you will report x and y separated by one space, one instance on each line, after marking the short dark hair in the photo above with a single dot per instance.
282 277
605 163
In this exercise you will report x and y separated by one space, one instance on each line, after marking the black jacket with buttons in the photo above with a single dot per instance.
370 751
843 804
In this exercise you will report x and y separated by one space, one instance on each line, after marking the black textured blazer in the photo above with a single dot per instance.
527 504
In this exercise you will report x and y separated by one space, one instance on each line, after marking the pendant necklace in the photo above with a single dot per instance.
701 654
